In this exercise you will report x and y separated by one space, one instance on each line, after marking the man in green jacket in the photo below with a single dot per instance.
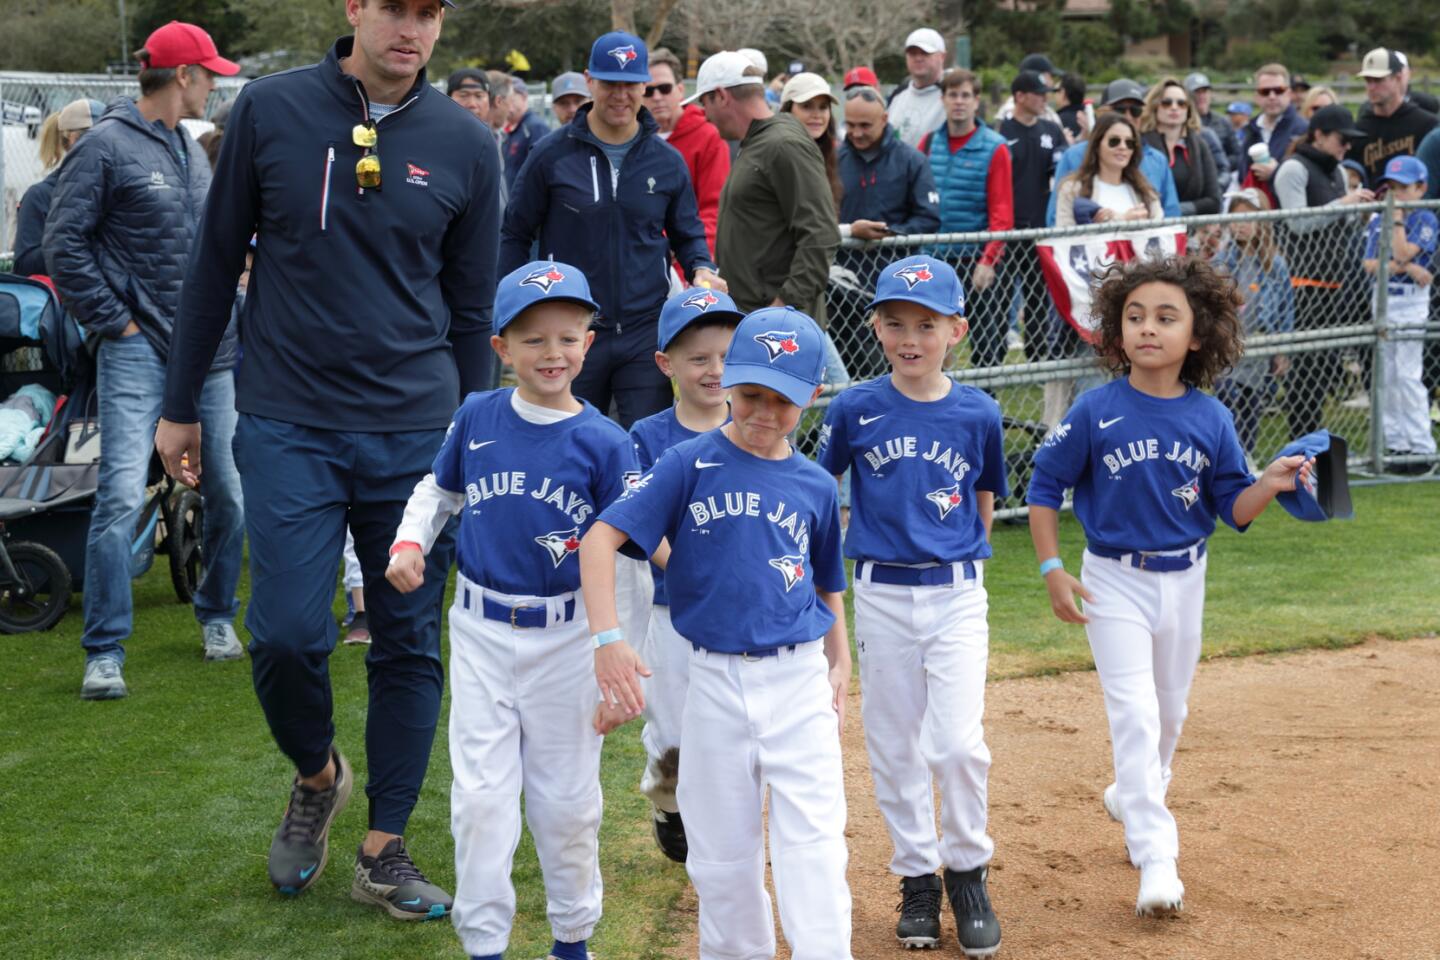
777 232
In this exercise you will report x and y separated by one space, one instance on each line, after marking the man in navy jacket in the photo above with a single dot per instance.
606 194
376 203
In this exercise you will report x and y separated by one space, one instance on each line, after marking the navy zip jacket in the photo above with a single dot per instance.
30 226
620 238
1290 126
121 228
891 182
362 303
529 130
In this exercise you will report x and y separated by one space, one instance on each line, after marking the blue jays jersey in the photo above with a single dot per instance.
751 540
1421 229
653 436
531 491
1148 473
915 468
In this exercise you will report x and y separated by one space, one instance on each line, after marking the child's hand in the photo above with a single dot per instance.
1063 587
1289 473
618 669
839 676
406 570
608 717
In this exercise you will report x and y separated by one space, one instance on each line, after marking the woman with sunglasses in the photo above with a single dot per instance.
1170 124
1109 178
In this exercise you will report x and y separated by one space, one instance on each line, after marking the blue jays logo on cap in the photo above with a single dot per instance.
1405 170
778 343
791 568
702 301
560 543
544 278
946 499
913 274
625 55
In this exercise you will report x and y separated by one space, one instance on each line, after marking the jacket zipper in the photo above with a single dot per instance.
595 179
365 113
325 189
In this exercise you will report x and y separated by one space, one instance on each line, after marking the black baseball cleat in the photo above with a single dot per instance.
919 926
975 922
670 834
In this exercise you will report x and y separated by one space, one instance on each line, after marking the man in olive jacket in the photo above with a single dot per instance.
777 232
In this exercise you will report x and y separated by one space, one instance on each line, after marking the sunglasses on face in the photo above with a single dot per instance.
1171 102
664 89
367 168
1272 91
1132 110
1127 142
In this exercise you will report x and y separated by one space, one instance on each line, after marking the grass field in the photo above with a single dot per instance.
138 828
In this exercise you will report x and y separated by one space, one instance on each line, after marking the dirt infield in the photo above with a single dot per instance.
1307 789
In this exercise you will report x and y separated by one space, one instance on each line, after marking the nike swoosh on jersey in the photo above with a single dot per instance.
701 464
483 443
1110 423
868 420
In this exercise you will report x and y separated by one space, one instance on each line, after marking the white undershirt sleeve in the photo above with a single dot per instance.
426 513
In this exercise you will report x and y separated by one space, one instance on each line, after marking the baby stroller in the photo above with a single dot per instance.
48 487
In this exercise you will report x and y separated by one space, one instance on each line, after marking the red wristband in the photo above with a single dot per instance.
403 545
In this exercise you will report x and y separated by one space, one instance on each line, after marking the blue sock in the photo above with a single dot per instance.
569 951
488 956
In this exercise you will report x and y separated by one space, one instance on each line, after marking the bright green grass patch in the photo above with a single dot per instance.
139 828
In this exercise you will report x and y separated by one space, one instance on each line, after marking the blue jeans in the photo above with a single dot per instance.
130 384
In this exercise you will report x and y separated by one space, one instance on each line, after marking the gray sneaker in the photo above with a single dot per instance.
302 841
221 642
103 680
392 882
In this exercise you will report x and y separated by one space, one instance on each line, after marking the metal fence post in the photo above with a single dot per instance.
1382 308
5 243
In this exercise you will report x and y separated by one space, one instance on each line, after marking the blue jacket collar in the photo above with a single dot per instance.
344 85
579 128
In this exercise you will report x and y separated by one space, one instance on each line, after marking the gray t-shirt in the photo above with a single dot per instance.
378 110
916 112
615 153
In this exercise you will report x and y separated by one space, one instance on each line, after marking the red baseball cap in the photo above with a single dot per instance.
861 77
179 43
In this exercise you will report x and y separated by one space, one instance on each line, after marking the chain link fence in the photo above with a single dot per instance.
1317 329
26 99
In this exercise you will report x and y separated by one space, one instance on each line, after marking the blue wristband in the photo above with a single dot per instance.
1054 563
606 637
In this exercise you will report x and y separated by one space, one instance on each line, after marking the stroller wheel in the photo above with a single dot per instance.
37 598
183 525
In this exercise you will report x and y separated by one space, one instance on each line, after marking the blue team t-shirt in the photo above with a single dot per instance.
915 467
652 436
1421 229
1148 473
531 491
751 540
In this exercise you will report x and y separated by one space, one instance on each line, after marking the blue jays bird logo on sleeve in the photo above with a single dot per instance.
544 278
560 544
791 568
701 301
913 275
946 499
1189 493
624 56
778 343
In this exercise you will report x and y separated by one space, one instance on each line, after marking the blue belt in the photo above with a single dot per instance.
896 576
748 654
1153 562
527 615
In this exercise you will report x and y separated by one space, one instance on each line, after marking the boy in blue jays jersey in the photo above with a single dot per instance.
695 330
1153 461
755 580
927 460
527 470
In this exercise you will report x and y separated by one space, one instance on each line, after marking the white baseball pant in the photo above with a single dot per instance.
751 725
923 654
668 656
521 706
1144 633
354 577
1404 401
634 592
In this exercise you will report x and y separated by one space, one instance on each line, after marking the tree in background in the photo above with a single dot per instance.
59 36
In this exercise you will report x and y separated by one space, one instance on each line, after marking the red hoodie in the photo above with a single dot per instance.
708 158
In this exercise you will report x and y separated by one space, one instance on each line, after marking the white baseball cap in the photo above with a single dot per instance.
804 87
721 71
757 57
926 39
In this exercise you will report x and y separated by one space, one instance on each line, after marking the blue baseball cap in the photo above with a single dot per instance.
924 280
1328 495
690 305
537 282
1240 107
621 58
1405 170
779 348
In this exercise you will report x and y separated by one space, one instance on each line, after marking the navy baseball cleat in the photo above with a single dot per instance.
302 841
975 922
670 834
919 926
391 881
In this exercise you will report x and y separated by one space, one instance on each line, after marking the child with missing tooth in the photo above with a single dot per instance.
1153 462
